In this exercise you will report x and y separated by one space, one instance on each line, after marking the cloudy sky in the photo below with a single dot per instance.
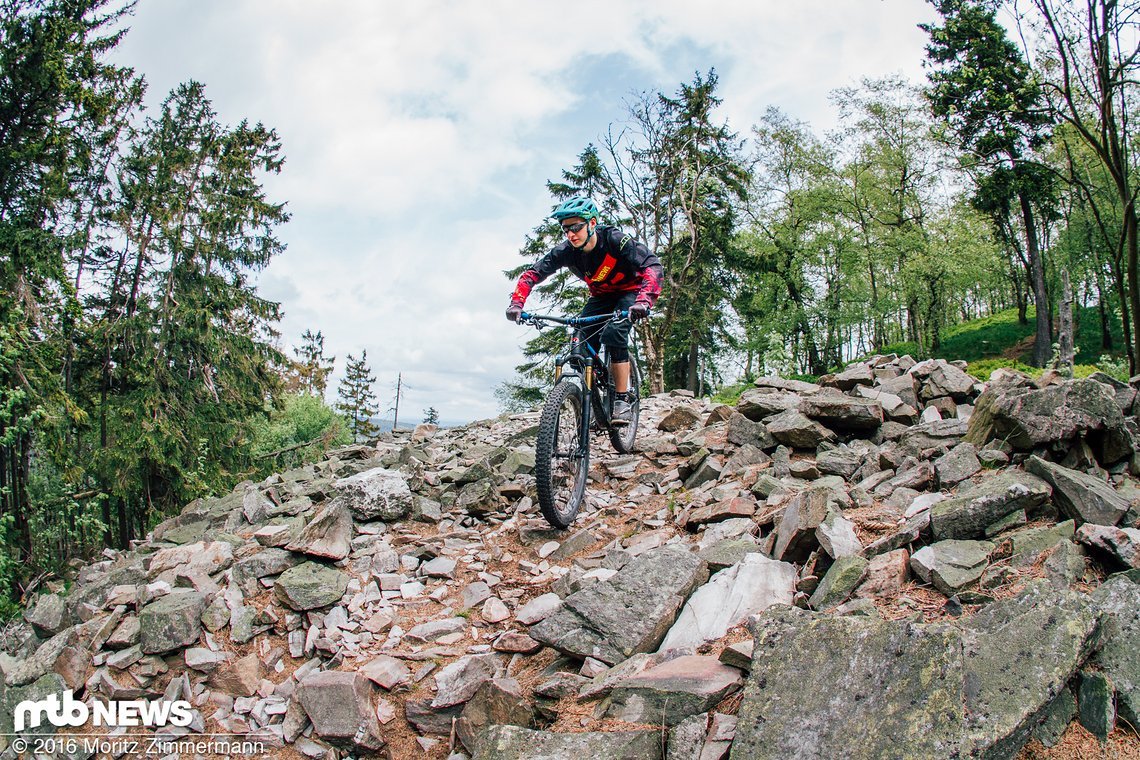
418 136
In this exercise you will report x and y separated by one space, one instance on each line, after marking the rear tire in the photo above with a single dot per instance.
562 463
624 436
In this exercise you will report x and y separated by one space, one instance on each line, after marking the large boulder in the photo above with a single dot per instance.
752 585
1019 654
843 413
1118 602
627 613
310 585
517 743
1082 497
672 691
968 514
377 494
171 622
342 708
825 686
1028 418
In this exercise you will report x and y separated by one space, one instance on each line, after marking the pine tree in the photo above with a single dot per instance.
431 416
311 370
357 401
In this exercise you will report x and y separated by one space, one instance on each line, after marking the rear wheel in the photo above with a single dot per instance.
562 459
623 437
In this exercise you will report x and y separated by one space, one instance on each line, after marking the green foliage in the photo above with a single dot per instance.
983 368
730 394
298 431
986 337
1114 366
431 416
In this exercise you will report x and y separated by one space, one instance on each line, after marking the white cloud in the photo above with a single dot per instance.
419 135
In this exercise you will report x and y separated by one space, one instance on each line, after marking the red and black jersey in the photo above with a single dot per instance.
618 264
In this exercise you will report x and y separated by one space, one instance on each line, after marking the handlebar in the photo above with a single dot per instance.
538 320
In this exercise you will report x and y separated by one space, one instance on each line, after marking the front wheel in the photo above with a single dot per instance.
562 458
623 436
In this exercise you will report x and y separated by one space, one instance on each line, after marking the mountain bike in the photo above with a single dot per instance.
562 452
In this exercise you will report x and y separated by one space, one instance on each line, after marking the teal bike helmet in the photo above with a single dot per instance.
579 206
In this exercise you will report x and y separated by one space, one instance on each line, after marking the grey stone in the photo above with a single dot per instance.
956 465
1019 654
843 413
517 743
499 701
757 404
341 707
1055 719
328 534
1122 545
674 690
48 615
1082 497
968 514
385 671
1027 418
628 613
796 531
687 738
793 428
310 585
745 432
457 682
263 563
171 622
239 678
433 630
679 418
729 598
837 536
1096 709
951 565
728 552
1118 603
840 581
377 494
867 671
1028 543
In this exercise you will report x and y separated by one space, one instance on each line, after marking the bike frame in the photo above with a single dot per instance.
584 364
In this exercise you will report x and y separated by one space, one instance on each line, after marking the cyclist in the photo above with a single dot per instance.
621 273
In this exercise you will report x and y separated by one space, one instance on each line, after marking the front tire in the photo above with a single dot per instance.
623 436
562 459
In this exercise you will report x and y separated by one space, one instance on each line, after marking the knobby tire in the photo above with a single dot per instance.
559 471
623 436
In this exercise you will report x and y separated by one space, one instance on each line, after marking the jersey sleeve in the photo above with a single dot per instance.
543 268
646 263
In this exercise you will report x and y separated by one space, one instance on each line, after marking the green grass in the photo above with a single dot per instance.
989 343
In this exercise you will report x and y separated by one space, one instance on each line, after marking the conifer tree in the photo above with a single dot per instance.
311 370
357 402
431 416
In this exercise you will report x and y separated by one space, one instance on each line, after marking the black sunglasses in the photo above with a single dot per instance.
568 228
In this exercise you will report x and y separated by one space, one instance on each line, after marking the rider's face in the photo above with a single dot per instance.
579 238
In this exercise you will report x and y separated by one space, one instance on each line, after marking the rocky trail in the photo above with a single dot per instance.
895 562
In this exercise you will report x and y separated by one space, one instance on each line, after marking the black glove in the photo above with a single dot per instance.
638 311
513 312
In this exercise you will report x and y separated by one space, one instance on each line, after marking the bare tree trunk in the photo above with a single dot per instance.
1065 337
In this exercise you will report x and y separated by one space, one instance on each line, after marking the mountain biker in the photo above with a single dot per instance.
621 273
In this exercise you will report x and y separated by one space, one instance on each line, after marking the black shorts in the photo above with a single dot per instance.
614 335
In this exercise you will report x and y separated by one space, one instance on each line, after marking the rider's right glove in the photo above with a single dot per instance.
638 311
513 312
